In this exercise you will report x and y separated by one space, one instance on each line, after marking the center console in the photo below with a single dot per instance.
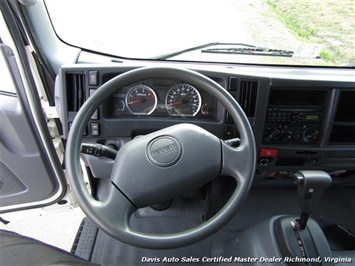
285 240
278 241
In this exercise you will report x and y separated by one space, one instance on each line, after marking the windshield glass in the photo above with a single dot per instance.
286 32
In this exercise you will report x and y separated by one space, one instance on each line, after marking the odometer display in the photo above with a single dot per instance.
183 100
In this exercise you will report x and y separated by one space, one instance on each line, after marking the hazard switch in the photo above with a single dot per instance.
268 153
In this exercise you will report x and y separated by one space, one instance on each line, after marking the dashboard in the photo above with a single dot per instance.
300 119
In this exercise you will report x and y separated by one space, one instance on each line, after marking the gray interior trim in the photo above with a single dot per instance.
51 45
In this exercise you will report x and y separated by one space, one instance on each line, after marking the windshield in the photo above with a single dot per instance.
302 32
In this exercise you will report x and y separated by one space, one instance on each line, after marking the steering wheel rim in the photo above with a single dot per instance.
112 214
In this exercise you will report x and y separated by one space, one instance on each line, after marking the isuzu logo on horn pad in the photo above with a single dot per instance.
164 151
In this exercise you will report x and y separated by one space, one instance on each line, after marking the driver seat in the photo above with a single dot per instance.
16 249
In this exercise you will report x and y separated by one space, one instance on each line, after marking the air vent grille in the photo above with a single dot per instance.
248 95
75 84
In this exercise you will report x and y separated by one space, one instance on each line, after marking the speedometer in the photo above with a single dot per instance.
183 100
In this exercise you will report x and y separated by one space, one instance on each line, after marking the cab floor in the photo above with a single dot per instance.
337 208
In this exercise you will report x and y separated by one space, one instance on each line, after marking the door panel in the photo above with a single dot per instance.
28 177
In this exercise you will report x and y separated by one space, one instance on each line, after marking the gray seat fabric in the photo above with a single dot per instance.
16 249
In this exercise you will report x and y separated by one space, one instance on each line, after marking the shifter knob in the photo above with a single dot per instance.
310 188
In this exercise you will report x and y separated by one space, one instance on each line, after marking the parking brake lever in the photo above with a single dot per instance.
310 188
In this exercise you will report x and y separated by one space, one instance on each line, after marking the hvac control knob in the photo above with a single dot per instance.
310 135
286 136
273 133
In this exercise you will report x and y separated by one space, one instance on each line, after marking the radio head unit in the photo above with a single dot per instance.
294 116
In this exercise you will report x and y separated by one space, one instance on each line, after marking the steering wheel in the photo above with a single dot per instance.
170 161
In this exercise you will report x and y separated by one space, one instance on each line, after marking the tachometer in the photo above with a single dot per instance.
141 100
183 100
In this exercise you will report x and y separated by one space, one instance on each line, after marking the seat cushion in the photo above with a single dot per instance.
16 249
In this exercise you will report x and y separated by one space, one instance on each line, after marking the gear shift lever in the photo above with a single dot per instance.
310 188
282 237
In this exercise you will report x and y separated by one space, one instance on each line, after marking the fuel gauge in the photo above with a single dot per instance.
206 109
120 106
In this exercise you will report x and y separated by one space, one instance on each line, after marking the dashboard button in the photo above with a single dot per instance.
268 153
228 132
93 78
94 129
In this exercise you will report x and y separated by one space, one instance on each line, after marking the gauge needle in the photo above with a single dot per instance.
179 102
176 103
136 101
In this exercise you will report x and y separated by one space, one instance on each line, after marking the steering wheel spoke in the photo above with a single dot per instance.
237 162
113 212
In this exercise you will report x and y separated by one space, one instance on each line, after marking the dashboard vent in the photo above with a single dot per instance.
75 84
248 94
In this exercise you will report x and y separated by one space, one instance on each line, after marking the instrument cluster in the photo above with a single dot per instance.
165 98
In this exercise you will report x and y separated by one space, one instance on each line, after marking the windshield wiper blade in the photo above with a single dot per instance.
251 50
232 48
173 54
